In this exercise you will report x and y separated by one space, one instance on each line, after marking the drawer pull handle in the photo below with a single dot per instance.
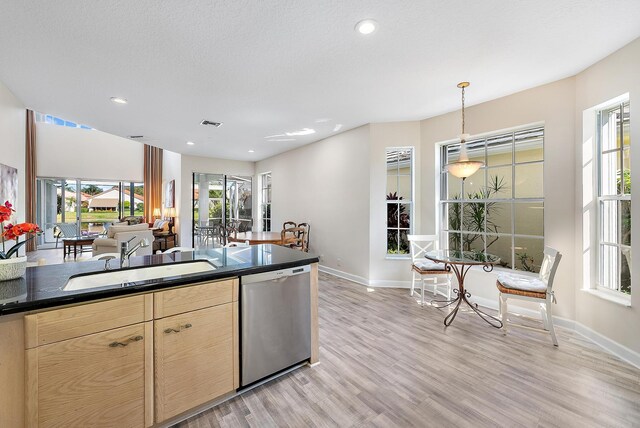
123 344
179 329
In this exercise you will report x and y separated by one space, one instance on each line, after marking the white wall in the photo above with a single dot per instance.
191 164
382 270
553 104
607 79
327 185
12 142
87 154
172 170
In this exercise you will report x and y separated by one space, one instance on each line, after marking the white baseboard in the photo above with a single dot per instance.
364 281
344 275
611 346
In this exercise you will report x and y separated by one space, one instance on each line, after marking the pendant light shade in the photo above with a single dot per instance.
463 168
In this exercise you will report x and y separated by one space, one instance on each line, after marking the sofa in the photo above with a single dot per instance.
119 233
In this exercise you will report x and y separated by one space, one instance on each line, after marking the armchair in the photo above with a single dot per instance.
116 235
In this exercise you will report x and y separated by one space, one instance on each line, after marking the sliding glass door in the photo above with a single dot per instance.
73 207
218 201
57 203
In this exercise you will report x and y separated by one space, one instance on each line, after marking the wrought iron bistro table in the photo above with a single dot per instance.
460 262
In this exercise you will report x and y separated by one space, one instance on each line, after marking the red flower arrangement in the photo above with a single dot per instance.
13 232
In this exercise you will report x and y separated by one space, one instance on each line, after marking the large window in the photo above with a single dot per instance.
614 198
499 209
86 204
265 201
399 199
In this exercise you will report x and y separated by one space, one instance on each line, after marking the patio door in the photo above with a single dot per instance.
57 202
217 201
84 205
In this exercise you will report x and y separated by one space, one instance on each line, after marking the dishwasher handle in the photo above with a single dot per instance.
275 275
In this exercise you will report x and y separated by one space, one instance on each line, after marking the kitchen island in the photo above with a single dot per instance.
140 352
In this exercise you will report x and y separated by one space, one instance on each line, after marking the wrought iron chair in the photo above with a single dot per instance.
540 289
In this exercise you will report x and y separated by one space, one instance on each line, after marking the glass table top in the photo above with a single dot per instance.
462 257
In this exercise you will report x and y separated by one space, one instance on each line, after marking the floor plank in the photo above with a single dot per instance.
386 361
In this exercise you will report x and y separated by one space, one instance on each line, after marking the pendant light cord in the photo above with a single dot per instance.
463 110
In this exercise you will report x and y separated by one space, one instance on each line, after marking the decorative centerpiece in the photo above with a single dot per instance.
13 267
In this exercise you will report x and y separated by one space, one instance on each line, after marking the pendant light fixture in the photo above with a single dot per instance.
463 168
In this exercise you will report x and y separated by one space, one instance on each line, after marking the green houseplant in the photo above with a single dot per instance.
476 216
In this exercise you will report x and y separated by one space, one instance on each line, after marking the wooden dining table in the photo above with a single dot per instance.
256 238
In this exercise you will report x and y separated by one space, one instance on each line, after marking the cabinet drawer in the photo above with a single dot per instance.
194 297
62 324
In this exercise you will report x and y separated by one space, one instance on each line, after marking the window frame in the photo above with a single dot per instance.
443 199
410 202
618 104
266 200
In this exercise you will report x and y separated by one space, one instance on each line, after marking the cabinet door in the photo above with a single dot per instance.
194 359
98 380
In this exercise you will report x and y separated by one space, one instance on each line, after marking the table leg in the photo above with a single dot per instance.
463 295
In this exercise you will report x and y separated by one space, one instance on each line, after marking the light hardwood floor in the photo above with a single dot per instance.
386 361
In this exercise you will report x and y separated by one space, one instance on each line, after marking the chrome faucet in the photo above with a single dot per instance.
125 252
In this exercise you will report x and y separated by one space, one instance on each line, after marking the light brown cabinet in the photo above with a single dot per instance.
193 358
134 361
195 346
99 379
90 364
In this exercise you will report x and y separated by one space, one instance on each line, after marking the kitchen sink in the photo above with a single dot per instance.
116 277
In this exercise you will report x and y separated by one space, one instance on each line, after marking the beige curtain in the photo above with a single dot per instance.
30 173
152 180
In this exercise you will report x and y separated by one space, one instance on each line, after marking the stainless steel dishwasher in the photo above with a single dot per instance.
275 322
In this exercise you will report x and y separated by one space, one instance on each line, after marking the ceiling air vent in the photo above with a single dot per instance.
208 122
134 137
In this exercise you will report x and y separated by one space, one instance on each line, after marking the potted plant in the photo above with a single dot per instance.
13 267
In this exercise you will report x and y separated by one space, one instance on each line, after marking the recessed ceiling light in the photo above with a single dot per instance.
366 26
190 143
303 131
251 150
118 100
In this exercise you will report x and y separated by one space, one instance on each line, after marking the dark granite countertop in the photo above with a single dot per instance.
42 286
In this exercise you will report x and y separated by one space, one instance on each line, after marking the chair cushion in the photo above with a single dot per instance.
521 282
513 291
429 265
104 242
133 228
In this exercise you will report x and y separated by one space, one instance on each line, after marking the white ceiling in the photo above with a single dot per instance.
270 67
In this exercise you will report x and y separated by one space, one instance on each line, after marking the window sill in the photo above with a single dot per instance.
397 257
611 297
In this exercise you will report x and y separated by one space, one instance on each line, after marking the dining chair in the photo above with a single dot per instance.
534 289
419 246
293 237
289 224
307 227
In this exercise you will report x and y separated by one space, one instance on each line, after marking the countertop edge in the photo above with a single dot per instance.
151 286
